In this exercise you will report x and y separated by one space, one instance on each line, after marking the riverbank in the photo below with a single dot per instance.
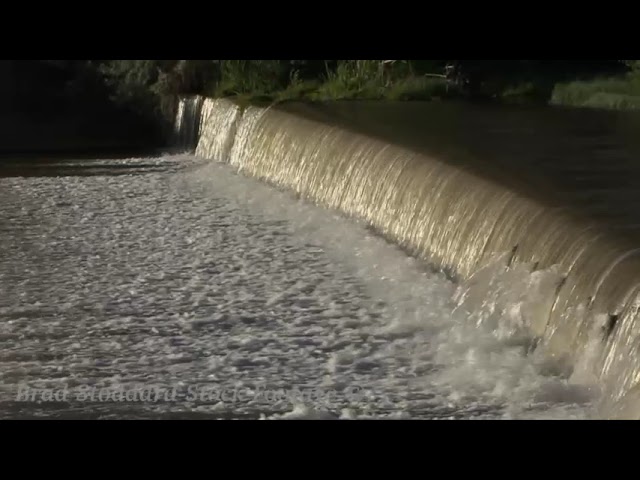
613 94
611 91
353 85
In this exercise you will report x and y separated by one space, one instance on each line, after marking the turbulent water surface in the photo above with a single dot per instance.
173 287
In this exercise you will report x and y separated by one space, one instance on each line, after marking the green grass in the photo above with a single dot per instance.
297 90
242 77
618 93
351 80
613 93
263 82
336 90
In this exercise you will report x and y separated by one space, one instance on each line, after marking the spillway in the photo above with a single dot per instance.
545 240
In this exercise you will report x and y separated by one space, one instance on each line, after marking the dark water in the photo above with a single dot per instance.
582 158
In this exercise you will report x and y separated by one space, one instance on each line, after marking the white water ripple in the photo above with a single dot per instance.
205 280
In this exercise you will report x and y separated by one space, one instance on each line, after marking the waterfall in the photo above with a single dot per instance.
187 123
218 123
565 279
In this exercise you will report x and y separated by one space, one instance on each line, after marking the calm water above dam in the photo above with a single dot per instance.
583 158
201 293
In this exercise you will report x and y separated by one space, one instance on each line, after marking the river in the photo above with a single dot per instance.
201 293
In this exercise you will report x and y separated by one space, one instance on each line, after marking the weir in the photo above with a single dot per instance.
187 122
529 237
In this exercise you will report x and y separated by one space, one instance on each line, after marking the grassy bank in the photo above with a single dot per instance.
616 93
408 89
147 84
353 80
617 89
365 80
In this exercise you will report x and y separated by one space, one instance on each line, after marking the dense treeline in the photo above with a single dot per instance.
61 105
146 88
76 81
332 79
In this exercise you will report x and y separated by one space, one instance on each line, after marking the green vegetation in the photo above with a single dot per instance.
154 85
616 93
146 90
276 80
58 100
538 81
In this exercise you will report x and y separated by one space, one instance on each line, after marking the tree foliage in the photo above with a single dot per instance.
148 88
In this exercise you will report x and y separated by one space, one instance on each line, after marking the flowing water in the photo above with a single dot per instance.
442 282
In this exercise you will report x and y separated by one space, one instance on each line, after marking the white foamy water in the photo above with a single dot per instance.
238 301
